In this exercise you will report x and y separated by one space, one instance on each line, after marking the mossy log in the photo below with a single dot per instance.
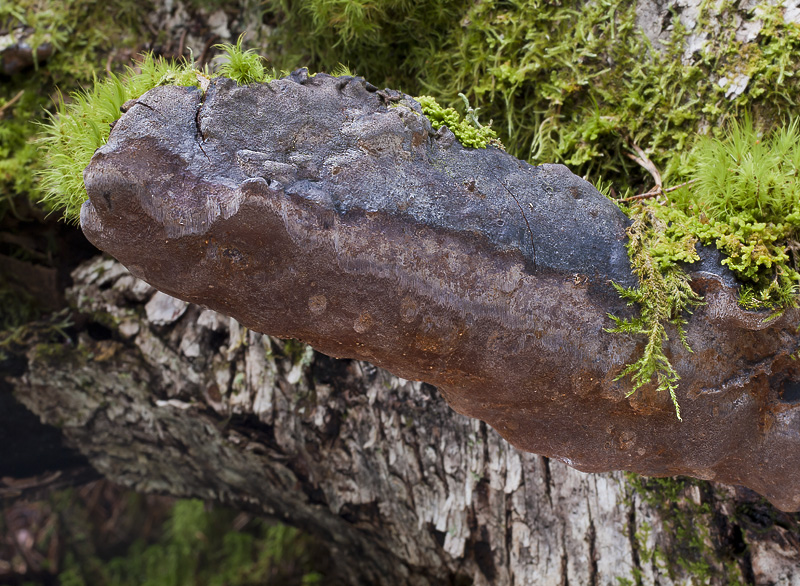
404 490
321 209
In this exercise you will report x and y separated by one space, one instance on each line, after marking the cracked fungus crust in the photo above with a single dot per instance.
308 208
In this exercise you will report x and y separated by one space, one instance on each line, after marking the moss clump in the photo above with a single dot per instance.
390 42
82 125
577 83
469 133
244 67
664 295
76 52
745 200
17 152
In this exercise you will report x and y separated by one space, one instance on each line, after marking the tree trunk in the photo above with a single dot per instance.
164 396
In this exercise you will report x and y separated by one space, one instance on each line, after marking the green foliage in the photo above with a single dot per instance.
469 133
17 151
77 52
342 70
77 48
82 125
745 200
244 67
663 294
687 554
746 173
575 83
389 42
199 548
543 69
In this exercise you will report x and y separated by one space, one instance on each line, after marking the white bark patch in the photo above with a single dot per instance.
163 309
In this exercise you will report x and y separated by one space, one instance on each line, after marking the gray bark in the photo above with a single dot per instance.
168 397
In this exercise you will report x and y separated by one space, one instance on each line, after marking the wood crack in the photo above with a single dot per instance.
634 543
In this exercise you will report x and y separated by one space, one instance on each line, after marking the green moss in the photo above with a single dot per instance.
18 153
62 353
244 67
663 294
81 125
61 24
687 552
744 199
469 133
77 52
389 42
342 70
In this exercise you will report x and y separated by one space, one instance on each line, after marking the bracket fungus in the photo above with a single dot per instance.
322 209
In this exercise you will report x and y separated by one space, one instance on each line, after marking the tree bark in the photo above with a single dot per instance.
164 396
